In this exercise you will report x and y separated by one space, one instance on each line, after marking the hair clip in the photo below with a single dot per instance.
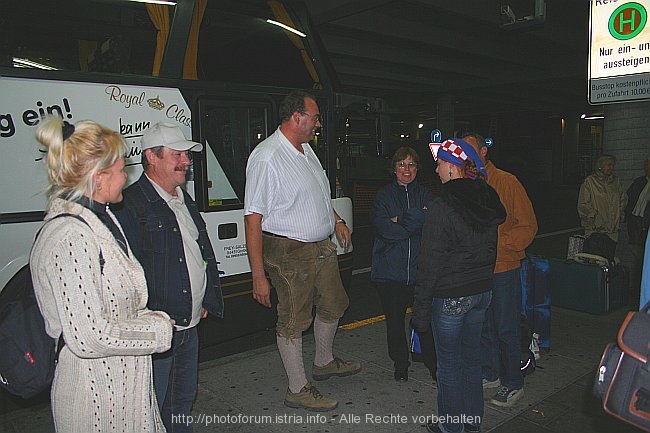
67 129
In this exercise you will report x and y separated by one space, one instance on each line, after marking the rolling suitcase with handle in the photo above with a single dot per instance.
594 288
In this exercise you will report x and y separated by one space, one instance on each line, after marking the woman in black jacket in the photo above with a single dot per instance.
454 288
397 216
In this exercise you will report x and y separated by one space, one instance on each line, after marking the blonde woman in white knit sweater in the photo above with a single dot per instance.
92 290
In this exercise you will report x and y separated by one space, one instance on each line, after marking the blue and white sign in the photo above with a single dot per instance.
436 136
489 141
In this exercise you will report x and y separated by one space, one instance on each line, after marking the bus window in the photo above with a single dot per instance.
235 42
90 37
231 132
237 45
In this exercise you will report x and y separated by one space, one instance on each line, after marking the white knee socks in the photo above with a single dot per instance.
291 354
324 336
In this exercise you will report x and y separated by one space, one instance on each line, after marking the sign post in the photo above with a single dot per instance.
619 51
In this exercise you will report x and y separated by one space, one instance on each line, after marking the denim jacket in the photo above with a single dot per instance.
155 238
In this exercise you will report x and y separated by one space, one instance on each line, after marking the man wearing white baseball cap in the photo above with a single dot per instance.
168 236
168 135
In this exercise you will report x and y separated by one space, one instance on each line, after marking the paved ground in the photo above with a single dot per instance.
244 392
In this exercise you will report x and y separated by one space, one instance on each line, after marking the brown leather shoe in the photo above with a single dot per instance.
309 398
337 367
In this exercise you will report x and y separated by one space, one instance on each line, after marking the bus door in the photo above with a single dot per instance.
230 128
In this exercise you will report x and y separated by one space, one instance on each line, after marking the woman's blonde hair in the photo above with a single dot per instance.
71 163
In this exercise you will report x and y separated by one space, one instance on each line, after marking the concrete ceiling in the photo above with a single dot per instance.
414 53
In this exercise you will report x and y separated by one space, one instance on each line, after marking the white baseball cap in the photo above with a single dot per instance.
168 135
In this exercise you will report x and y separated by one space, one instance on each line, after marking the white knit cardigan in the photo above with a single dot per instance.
104 380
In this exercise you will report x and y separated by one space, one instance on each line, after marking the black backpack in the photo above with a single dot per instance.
28 355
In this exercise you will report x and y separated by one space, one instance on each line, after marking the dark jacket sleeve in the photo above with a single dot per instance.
380 218
432 254
409 221
213 298
422 299
412 220
633 193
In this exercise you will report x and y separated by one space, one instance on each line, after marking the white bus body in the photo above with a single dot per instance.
131 109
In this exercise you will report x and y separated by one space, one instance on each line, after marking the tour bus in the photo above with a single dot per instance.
228 118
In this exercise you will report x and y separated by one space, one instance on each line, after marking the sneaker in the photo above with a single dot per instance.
309 398
471 428
487 384
506 397
337 367
433 427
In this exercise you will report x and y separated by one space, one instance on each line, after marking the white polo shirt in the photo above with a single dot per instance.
289 189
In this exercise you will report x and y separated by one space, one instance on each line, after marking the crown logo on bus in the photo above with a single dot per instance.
156 103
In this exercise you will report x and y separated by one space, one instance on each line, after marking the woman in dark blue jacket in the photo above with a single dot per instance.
397 217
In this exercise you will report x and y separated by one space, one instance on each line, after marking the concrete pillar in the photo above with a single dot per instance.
626 135
445 108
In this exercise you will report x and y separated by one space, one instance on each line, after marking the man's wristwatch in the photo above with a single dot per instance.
340 221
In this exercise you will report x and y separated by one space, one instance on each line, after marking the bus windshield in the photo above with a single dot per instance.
233 43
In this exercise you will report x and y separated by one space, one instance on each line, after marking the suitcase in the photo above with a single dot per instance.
536 297
587 287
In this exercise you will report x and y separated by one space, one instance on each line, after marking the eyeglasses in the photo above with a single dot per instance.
316 117
410 165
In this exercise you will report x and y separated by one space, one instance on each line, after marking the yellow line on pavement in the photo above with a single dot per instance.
364 322
368 321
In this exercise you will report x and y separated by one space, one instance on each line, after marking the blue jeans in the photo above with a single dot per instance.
501 340
175 378
457 324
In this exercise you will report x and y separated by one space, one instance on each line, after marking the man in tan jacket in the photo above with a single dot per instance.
500 340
